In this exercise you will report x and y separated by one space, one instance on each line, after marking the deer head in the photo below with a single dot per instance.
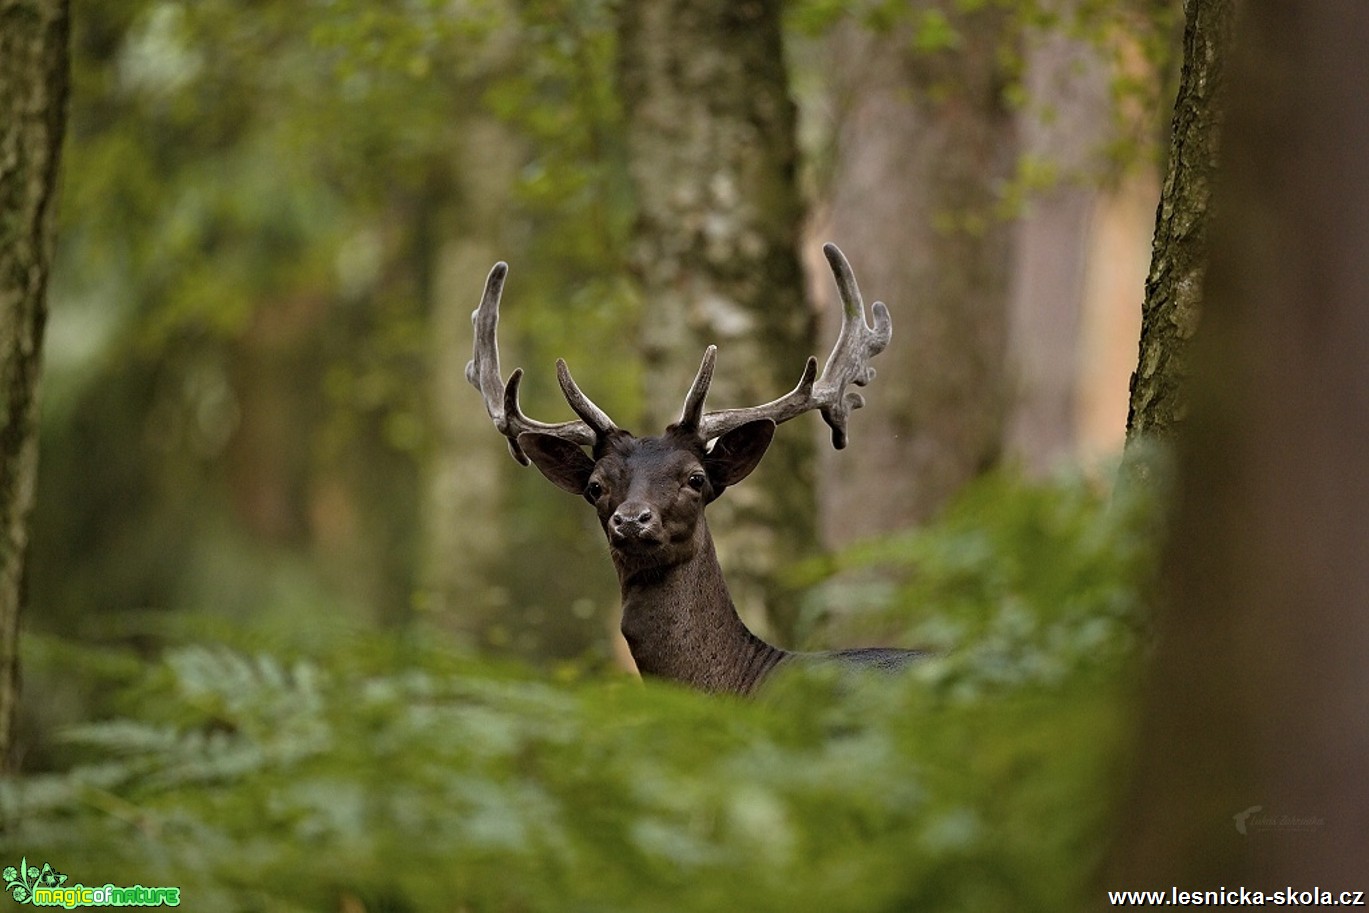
650 492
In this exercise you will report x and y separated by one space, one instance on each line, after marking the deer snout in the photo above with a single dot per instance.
638 514
634 520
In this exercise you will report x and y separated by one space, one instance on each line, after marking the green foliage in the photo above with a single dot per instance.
934 32
1018 582
403 775
264 207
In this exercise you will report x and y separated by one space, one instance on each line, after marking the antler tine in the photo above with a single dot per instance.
597 419
698 391
501 400
848 363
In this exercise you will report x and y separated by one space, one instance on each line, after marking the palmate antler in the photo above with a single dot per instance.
857 343
848 363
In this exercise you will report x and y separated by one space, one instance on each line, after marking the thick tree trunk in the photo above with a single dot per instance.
923 139
1257 729
1174 287
33 101
712 149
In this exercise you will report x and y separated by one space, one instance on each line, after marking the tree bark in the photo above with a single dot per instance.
33 99
710 130
923 138
1174 287
1252 748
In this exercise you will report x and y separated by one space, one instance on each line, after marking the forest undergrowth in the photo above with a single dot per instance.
397 773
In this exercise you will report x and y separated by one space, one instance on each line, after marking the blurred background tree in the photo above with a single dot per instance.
924 142
982 158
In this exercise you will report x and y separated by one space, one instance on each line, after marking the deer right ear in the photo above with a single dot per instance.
737 452
564 462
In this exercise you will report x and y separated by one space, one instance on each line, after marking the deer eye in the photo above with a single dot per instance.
697 480
594 490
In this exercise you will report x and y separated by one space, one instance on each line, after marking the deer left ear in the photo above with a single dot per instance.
738 452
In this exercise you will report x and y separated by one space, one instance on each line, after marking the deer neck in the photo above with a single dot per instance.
681 624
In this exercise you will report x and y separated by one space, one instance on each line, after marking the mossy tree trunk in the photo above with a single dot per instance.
1174 287
710 128
33 101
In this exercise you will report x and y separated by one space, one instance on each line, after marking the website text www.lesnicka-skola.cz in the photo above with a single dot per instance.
1239 897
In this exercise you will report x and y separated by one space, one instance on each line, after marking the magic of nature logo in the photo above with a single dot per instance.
44 886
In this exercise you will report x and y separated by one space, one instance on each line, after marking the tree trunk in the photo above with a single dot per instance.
923 139
1174 287
1064 128
464 478
712 159
1254 741
33 100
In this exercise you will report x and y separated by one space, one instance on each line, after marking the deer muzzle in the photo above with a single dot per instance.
635 526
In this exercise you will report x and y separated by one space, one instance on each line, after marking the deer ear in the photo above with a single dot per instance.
738 452
562 461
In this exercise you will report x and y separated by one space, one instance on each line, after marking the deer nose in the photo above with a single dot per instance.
631 513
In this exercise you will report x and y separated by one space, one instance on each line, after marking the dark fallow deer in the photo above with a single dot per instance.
650 492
